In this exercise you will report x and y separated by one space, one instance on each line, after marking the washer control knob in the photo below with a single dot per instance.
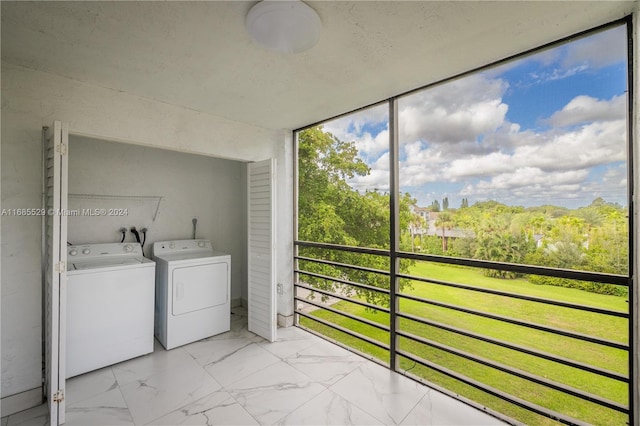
172 245
86 251
73 252
201 244
128 248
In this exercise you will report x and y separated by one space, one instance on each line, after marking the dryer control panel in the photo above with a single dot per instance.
177 246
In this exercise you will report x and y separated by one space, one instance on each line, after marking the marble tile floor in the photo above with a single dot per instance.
237 378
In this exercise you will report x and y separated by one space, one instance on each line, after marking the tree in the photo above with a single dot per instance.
499 237
567 243
416 225
592 238
609 244
444 222
435 206
445 203
331 211
431 244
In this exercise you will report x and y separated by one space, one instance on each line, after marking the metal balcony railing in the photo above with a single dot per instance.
422 346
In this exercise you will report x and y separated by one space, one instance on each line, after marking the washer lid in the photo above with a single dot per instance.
106 263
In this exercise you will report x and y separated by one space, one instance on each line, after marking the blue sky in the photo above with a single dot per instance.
549 128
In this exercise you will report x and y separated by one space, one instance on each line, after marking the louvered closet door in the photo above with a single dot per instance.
261 249
56 164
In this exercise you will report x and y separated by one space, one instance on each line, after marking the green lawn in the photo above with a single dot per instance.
610 328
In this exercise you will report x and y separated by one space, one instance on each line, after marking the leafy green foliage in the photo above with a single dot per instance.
592 238
330 211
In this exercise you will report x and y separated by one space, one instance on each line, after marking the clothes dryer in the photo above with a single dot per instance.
193 285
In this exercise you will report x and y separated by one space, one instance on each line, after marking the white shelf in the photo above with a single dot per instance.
156 198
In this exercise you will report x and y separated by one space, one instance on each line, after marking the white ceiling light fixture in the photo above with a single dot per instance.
285 26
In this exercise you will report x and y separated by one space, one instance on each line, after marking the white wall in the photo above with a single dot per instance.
32 99
210 189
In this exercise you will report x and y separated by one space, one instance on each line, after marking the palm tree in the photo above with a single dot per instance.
592 219
415 228
444 221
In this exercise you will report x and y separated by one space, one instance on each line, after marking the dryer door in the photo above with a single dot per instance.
198 287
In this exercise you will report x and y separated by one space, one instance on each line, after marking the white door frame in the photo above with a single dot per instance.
56 146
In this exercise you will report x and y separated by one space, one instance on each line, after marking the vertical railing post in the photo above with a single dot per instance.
394 228
296 276
634 236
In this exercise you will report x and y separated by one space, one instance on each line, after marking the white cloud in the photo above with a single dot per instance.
351 128
557 73
599 50
529 165
478 166
373 145
616 176
584 109
591 145
545 189
528 177
459 133
377 179
454 112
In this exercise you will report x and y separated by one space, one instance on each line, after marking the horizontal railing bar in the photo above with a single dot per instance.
519 373
517 296
340 280
344 330
342 265
615 279
518 348
362 250
342 345
344 314
345 298
540 327
495 392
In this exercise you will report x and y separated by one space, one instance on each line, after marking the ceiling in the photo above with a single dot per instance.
198 54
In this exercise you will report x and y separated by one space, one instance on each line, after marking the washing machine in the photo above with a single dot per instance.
110 305
193 286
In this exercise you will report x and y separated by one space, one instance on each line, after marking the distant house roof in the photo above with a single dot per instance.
448 233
